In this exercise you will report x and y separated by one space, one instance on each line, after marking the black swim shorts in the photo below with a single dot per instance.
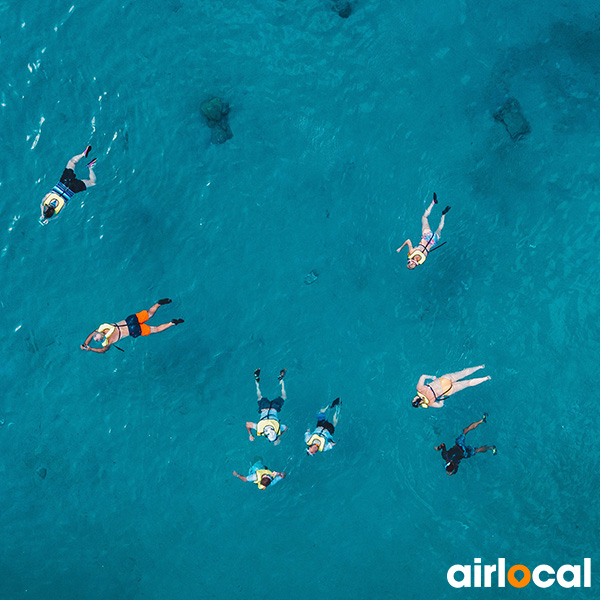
71 181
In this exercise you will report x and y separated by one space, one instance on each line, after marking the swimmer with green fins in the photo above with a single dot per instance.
418 254
269 424
261 475
59 196
460 450
321 439
135 325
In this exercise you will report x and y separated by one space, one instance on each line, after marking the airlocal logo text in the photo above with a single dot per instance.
567 576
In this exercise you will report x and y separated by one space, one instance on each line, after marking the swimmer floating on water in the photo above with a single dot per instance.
261 475
269 424
321 439
460 450
433 394
134 326
418 255
67 187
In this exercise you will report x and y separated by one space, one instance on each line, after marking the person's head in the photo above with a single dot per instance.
270 433
312 449
99 337
411 264
451 468
417 401
49 211
265 481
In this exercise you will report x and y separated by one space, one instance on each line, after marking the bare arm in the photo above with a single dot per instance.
86 347
422 380
236 474
410 247
437 404
249 427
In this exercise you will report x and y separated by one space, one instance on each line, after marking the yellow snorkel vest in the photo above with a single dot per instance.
260 426
260 473
317 438
425 400
417 252
108 330
54 199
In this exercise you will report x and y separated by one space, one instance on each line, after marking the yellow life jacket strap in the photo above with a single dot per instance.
260 426
108 330
260 473
425 400
317 438
51 198
418 252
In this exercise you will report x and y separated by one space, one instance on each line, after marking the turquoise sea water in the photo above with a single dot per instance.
342 130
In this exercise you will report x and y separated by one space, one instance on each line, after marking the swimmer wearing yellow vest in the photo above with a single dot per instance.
58 197
261 475
418 255
321 438
268 425
135 325
433 394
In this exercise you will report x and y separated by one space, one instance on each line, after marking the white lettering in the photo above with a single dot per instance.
466 580
477 573
587 572
501 572
543 583
575 570
488 570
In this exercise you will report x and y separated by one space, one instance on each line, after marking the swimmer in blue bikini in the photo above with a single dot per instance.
418 255
460 450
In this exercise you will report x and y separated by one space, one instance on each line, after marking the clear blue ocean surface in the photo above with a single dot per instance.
342 130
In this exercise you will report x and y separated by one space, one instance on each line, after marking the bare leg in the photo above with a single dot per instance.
258 391
161 327
92 180
461 385
153 309
462 374
336 415
440 226
424 221
483 449
472 426
282 389
71 164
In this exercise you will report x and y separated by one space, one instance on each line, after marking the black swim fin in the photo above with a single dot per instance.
87 151
282 374
257 376
446 210
434 198
335 402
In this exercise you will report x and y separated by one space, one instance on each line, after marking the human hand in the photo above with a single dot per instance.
84 347
251 438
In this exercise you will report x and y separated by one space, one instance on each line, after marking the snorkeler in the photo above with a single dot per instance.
67 187
321 439
261 475
134 326
459 451
418 255
433 394
269 424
